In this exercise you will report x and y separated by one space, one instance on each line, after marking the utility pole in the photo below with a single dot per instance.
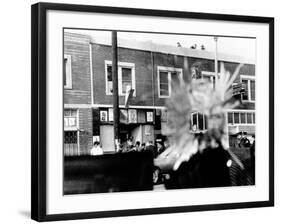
115 87
225 140
216 59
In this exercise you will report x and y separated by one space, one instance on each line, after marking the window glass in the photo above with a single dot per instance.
70 137
164 83
194 119
73 112
109 79
67 113
64 71
109 73
245 94
236 118
126 78
243 118
214 82
175 77
253 89
249 118
200 121
230 118
206 123
70 118
67 82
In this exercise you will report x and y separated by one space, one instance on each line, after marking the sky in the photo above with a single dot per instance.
243 47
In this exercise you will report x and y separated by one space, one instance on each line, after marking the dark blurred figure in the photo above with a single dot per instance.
120 148
207 168
119 172
159 148
137 146
243 140
166 144
242 171
150 147
253 161
129 144
142 148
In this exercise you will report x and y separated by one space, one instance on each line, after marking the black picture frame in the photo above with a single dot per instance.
39 108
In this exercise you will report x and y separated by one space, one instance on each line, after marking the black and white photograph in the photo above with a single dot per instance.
141 112
148 111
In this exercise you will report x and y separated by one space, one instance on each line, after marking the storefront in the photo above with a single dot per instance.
137 124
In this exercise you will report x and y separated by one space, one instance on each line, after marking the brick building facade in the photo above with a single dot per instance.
148 69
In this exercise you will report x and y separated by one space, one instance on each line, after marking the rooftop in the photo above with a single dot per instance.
165 49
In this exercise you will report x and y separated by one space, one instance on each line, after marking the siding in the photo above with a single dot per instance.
86 131
77 46
143 77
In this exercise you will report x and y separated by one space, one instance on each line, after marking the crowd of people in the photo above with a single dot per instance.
130 146
156 148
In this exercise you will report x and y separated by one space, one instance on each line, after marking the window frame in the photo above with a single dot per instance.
252 112
68 71
169 70
248 78
120 66
74 128
197 120
74 131
212 76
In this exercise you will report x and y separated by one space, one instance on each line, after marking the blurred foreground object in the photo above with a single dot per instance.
108 173
200 96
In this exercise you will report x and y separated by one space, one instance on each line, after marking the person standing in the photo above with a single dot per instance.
96 150
137 146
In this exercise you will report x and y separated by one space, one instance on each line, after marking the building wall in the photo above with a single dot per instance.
77 46
146 63
167 60
85 130
143 71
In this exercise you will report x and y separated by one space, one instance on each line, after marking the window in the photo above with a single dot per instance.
236 118
126 77
167 75
250 88
253 90
209 76
249 118
70 119
241 117
230 118
245 95
103 116
71 136
164 83
67 72
109 88
198 122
